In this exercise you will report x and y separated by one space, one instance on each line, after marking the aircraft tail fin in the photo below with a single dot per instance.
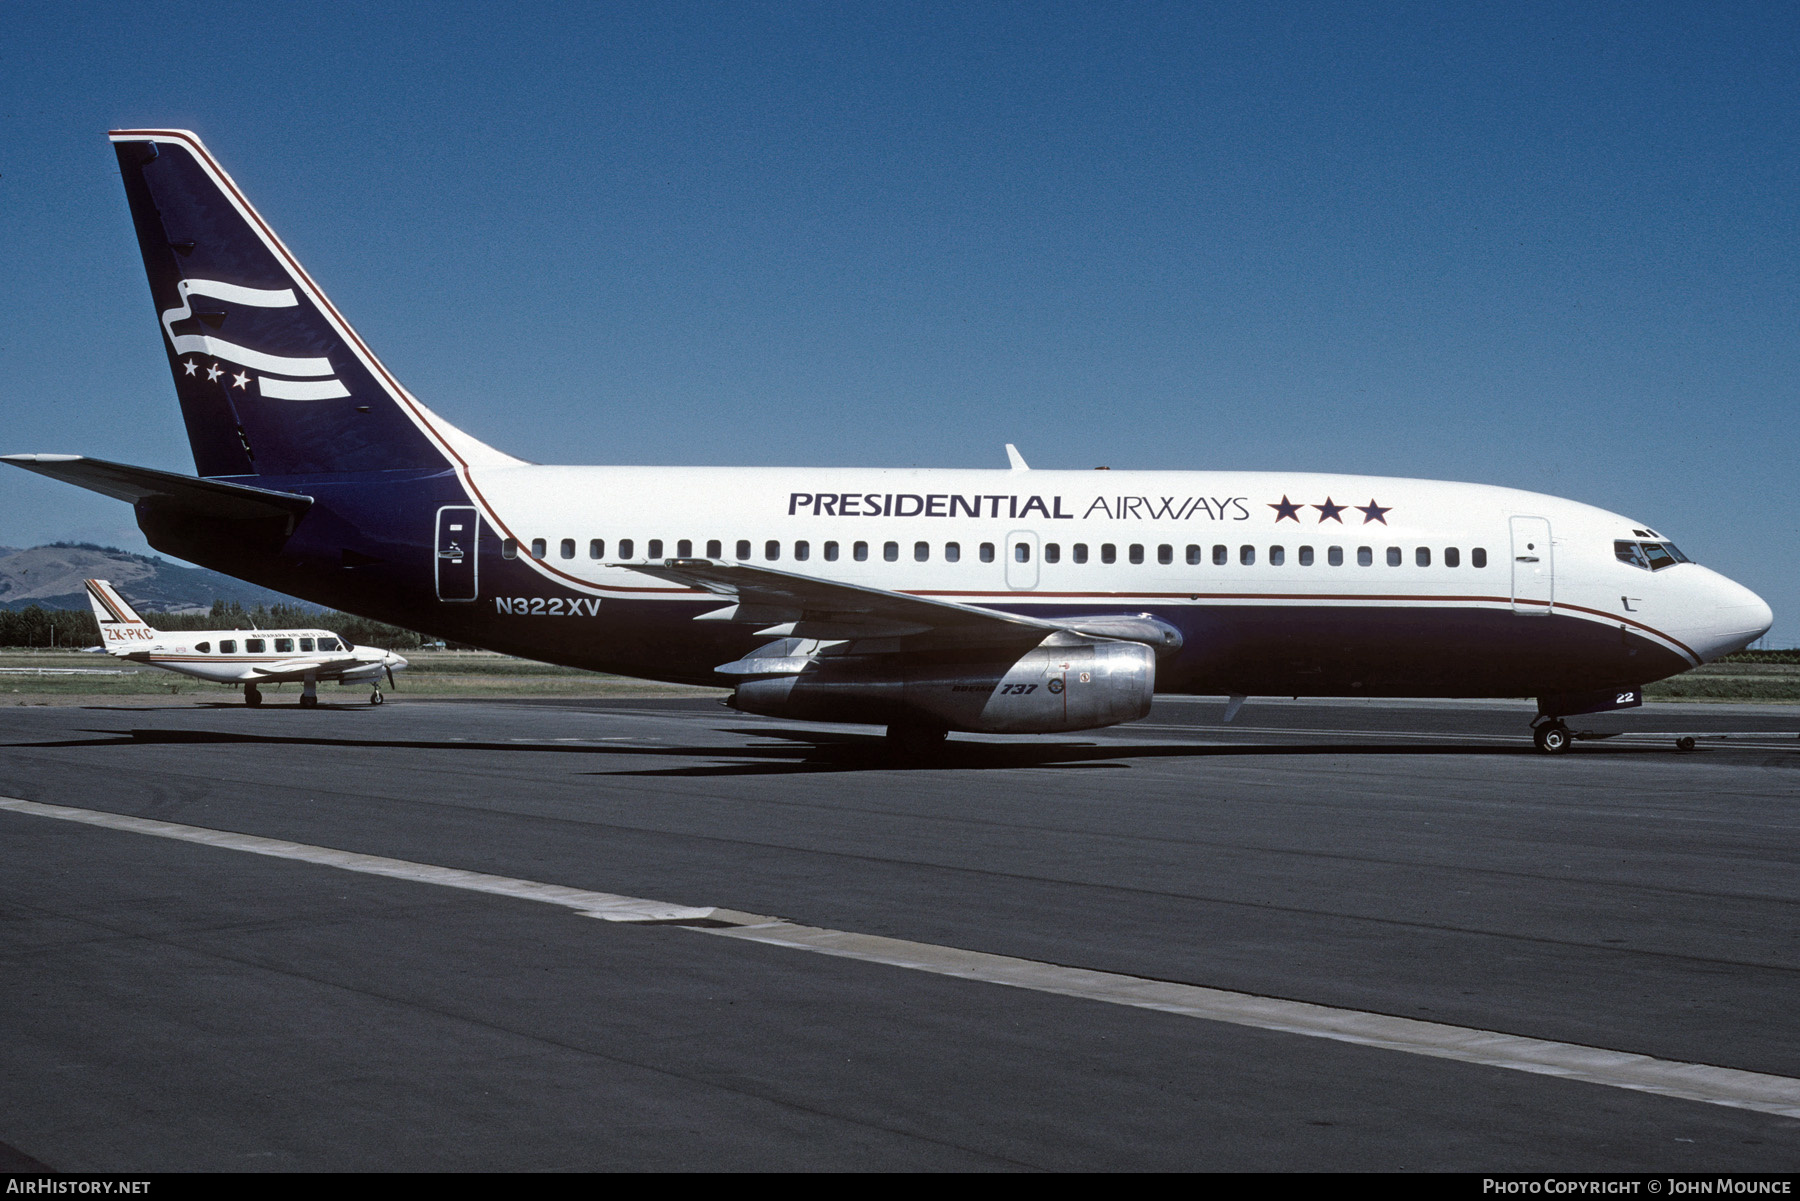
121 629
272 379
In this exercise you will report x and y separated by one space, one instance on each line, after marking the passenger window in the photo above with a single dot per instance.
284 646
684 549
1247 555
987 552
1021 552
890 551
743 548
1452 557
306 645
655 551
715 549
1365 557
1193 555
921 552
228 646
1080 555
1422 556
802 551
203 647
1109 553
254 646
1052 552
771 550
831 552
568 548
1136 553
1277 556
509 548
1335 556
1306 556
1393 556
596 548
537 548
860 552
1165 553
1478 557
1221 556
625 548
952 552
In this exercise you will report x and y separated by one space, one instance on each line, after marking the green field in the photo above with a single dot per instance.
62 677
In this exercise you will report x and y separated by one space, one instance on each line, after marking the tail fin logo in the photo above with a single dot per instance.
274 366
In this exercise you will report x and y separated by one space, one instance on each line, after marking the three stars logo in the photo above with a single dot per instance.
1287 510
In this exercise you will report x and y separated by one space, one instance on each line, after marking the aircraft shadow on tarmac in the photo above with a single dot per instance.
781 752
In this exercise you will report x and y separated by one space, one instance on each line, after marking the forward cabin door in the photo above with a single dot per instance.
458 529
1533 569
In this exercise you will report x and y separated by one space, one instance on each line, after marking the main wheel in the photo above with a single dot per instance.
309 702
252 695
1552 738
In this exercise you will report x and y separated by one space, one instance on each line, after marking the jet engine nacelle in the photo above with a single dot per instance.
1078 686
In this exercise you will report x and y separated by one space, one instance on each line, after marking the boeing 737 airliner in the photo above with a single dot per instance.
1008 601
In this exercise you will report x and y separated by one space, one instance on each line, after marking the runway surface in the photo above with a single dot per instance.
1347 935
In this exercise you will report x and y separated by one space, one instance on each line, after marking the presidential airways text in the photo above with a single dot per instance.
1015 507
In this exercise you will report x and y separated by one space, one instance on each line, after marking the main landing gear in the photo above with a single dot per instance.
252 695
309 693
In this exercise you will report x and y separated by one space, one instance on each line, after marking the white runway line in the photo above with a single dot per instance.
1712 1085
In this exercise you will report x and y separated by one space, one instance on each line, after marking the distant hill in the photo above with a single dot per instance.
51 576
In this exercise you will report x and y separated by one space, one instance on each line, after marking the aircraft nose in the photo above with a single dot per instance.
1739 616
395 661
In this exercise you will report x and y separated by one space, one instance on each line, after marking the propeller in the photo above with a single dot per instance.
389 668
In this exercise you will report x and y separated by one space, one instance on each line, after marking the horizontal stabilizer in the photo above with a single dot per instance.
207 498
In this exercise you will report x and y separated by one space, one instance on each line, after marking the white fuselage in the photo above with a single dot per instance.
1043 541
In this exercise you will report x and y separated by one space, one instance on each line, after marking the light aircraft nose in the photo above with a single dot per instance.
395 662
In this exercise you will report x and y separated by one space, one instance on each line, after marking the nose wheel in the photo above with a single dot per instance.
1552 737
375 697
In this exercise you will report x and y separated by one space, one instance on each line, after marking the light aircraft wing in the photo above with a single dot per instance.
294 669
801 606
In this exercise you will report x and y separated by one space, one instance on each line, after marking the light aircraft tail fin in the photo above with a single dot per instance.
121 629
272 379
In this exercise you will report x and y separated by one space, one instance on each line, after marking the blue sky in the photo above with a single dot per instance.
1546 246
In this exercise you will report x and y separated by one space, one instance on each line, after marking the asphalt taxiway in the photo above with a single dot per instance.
661 934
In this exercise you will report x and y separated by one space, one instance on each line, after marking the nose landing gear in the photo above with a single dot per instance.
1551 736
375 697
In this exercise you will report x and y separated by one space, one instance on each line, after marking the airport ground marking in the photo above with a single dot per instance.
1707 1083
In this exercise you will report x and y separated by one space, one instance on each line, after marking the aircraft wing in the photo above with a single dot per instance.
801 606
295 669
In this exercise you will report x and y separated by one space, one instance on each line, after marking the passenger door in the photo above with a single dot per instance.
1533 568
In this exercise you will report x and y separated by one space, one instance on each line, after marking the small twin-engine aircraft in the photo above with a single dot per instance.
248 657
1009 601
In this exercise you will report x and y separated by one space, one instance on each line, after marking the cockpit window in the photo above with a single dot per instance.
1651 556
